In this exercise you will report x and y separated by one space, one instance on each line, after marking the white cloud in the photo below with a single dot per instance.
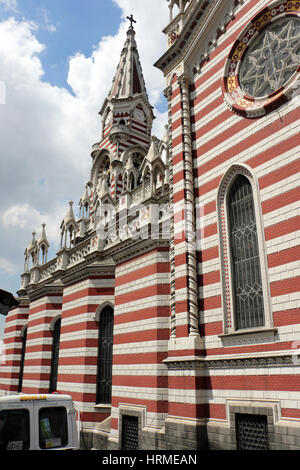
25 216
46 22
20 53
9 4
88 75
7 266
21 216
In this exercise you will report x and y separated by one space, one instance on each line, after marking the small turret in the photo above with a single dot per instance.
84 203
43 245
68 226
30 254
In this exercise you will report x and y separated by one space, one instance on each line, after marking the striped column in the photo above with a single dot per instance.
185 344
185 262
168 95
189 201
16 320
141 334
78 356
38 353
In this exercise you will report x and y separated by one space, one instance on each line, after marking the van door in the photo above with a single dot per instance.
16 432
73 431
51 425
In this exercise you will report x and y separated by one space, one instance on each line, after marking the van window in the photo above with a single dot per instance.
53 428
14 429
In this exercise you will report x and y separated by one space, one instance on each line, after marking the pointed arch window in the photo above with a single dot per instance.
24 339
245 259
105 351
55 356
104 170
246 297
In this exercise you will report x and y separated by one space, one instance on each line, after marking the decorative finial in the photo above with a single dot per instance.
132 20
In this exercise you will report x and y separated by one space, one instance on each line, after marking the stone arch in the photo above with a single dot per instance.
102 155
100 309
53 321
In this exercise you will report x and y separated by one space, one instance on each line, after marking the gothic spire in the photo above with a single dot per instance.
43 237
129 80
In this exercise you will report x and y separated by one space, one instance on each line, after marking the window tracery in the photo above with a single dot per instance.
246 272
272 58
105 350
245 286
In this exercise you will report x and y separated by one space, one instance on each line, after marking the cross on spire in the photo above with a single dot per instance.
132 20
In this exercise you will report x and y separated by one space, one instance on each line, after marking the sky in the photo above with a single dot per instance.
58 59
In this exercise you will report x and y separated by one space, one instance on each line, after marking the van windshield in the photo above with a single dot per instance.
14 429
53 428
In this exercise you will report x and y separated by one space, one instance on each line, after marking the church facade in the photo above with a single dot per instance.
171 312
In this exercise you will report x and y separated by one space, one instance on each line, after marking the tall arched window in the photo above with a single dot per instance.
55 356
245 261
24 338
105 350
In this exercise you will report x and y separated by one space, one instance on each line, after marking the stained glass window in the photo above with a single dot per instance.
105 349
272 58
22 361
55 356
247 283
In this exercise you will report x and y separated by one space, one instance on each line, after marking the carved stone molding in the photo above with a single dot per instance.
137 248
252 85
238 363
53 289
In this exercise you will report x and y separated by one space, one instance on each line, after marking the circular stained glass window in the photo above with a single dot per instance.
271 59
262 71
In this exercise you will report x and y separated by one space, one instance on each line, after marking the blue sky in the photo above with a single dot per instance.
67 27
58 59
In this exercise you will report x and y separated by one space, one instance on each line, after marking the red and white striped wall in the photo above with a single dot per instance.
78 357
141 333
37 365
269 147
16 320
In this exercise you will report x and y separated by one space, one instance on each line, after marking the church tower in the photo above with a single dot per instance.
126 113
127 118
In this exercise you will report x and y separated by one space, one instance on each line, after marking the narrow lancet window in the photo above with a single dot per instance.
24 338
246 270
55 356
105 349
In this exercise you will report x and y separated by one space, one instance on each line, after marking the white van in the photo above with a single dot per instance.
37 422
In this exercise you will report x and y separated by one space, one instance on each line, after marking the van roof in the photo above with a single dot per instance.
20 397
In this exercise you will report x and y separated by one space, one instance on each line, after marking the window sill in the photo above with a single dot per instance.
249 336
103 408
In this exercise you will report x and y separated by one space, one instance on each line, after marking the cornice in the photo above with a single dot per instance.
138 248
206 22
38 291
178 50
23 300
258 361
78 273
